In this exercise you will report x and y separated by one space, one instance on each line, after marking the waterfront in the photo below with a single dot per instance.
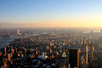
6 41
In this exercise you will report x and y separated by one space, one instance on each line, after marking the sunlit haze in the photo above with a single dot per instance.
50 13
50 33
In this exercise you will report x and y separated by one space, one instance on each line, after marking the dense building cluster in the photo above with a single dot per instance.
66 50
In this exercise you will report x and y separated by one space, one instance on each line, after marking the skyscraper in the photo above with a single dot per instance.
92 49
86 55
9 56
5 50
74 58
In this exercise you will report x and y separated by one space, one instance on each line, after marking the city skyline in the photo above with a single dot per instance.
50 13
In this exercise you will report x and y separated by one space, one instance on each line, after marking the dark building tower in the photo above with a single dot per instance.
74 58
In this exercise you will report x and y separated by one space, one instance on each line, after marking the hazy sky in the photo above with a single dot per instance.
50 13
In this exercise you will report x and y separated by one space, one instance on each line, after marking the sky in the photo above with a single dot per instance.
50 13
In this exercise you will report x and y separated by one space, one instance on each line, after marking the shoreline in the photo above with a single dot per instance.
11 39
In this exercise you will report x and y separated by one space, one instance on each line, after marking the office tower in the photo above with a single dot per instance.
0 53
82 61
43 53
9 56
19 55
92 49
68 65
25 50
51 44
12 51
47 47
5 50
74 58
86 55
15 50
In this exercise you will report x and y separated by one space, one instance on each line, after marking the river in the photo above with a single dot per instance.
6 41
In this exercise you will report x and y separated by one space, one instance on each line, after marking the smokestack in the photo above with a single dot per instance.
18 32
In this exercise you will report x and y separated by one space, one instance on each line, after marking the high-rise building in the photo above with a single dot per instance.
92 49
68 65
12 51
5 50
74 58
15 50
86 55
0 53
9 56
82 61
